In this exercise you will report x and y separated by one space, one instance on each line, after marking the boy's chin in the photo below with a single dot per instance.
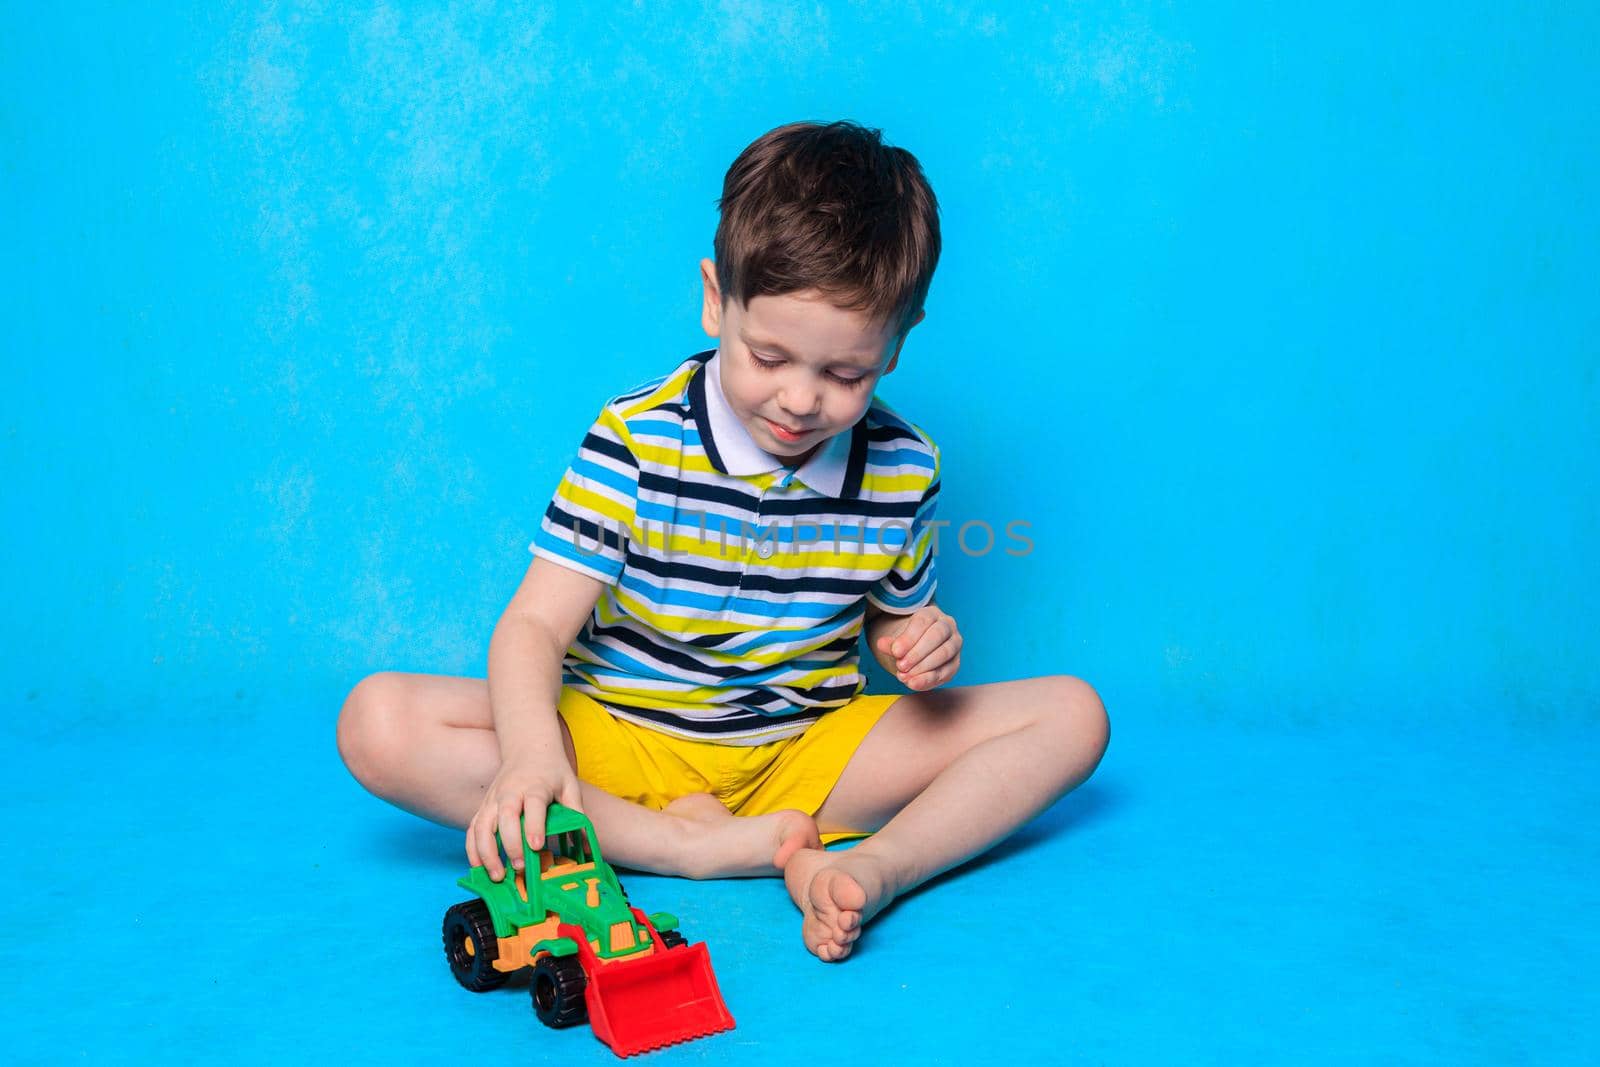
794 456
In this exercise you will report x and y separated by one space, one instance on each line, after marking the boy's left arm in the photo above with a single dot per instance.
922 650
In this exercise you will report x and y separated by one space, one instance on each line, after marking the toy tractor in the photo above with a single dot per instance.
592 955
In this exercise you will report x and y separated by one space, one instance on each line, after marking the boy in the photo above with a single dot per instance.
681 660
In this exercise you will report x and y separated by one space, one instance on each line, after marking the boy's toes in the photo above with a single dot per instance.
832 903
826 940
832 951
835 894
816 932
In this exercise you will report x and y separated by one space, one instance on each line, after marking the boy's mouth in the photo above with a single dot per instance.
784 434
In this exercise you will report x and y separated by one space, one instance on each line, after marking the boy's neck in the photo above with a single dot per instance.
794 463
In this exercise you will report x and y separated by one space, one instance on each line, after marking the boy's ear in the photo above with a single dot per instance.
901 341
711 310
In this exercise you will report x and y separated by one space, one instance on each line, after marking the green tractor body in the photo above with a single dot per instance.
569 845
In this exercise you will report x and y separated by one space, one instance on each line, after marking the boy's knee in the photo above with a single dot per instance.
367 733
1078 716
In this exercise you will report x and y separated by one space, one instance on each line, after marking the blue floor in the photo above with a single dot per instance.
1215 894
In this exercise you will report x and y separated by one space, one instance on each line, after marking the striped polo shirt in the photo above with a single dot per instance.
736 586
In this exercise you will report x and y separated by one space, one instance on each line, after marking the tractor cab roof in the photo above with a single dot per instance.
560 819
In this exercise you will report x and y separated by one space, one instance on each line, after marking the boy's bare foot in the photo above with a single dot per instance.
725 845
837 892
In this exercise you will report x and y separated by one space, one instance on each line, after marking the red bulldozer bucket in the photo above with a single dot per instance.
669 996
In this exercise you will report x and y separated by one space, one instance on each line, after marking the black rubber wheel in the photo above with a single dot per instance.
672 939
557 990
471 947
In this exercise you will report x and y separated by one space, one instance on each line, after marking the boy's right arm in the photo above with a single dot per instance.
525 656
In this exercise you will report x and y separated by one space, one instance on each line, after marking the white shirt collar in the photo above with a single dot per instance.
824 471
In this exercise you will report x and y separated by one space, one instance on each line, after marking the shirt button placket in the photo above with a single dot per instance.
760 544
765 545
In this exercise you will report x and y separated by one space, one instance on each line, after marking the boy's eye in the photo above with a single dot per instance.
774 364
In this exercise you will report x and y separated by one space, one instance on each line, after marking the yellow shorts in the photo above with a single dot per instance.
652 768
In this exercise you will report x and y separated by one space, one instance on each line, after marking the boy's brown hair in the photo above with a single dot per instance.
829 207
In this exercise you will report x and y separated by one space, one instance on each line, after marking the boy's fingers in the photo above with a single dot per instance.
930 679
935 657
906 638
535 813
923 633
937 669
488 854
511 835
932 637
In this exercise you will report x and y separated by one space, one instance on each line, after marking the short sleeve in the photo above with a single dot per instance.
910 583
593 514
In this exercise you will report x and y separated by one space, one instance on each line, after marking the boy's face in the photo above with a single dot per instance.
796 362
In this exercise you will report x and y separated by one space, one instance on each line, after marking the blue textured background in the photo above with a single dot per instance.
1278 326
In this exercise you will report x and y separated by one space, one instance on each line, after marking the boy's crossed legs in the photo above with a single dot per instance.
943 775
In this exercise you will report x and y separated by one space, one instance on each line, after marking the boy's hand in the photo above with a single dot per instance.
924 648
521 786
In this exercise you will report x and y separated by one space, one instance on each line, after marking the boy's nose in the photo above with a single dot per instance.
801 403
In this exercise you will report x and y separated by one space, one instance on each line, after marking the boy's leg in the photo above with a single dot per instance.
426 743
943 776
